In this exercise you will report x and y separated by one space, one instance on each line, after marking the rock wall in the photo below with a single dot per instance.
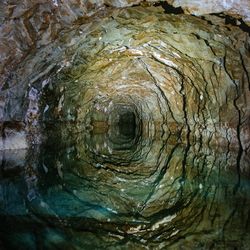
190 73
31 24
179 73
238 9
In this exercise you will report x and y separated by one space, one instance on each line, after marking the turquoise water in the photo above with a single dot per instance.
86 193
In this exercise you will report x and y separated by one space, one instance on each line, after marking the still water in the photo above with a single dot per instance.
117 189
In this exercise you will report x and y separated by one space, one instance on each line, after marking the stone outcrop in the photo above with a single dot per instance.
238 9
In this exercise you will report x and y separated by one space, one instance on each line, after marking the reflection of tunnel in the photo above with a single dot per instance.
127 124
124 125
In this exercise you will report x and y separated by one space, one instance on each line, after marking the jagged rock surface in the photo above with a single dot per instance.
238 9
30 24
180 74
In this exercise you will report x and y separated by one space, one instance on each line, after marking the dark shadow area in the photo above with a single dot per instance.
127 125
169 9
124 127
233 21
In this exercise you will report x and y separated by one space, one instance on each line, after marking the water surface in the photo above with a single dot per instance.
148 193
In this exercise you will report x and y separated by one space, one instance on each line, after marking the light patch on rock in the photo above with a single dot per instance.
164 60
163 221
14 141
135 52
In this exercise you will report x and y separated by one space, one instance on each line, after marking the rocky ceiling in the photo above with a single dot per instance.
186 73
30 24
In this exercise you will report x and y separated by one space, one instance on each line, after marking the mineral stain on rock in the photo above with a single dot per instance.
135 131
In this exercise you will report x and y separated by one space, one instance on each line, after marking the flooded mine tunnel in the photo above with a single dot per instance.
124 124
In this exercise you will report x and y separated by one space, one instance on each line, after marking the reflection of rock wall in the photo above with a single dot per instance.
169 196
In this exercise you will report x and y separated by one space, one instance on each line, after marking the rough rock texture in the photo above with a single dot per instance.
238 9
31 24
28 25
180 74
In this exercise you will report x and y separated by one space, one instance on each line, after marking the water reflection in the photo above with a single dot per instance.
83 191
127 124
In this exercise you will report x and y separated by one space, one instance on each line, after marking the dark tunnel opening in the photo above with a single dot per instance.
127 124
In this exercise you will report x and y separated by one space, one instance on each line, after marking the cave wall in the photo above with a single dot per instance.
33 35
30 24
238 9
182 75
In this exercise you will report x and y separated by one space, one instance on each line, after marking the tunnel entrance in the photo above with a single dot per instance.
124 126
127 124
